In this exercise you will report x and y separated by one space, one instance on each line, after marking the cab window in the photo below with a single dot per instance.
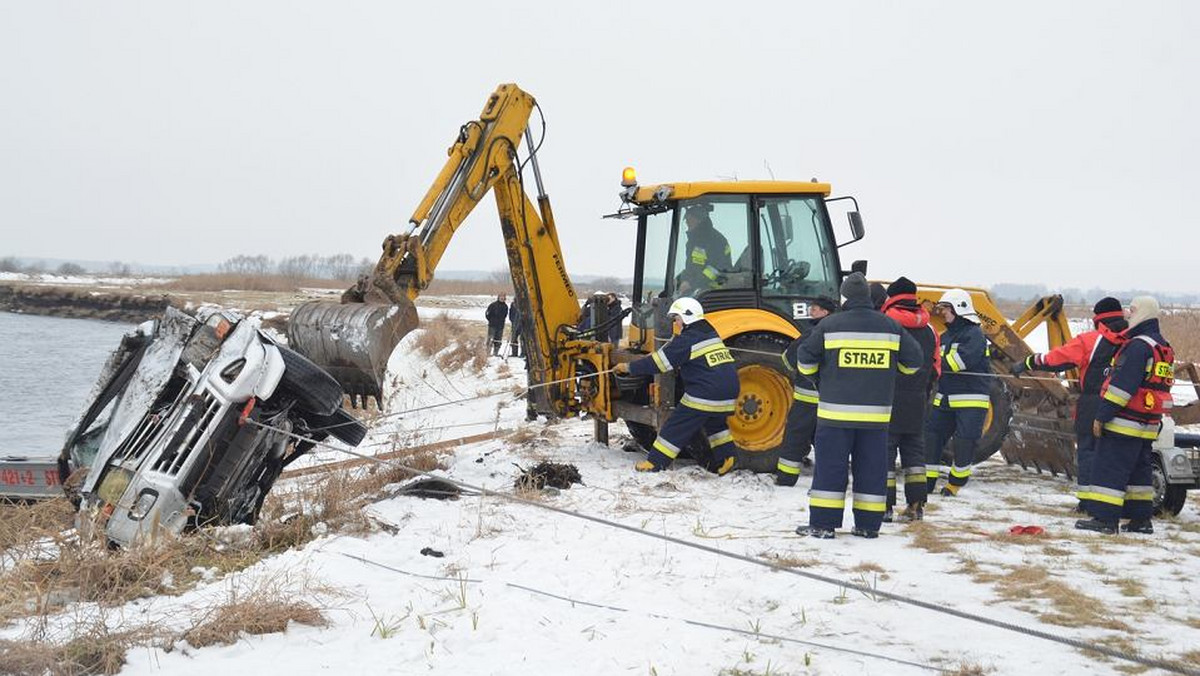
713 248
798 255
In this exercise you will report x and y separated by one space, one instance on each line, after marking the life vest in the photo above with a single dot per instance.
1153 397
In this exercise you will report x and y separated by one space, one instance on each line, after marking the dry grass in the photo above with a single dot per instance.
90 647
1071 608
87 571
227 281
466 287
1181 328
868 567
1128 586
467 345
789 561
25 527
1191 657
65 568
933 538
264 609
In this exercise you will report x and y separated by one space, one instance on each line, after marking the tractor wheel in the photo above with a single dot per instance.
759 422
995 426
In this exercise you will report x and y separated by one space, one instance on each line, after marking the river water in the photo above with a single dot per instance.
47 368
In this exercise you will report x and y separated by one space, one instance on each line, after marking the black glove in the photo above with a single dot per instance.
1021 366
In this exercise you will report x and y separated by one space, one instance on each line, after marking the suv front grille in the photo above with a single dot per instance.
195 426
148 429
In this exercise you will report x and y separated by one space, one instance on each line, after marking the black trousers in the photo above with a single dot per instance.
496 335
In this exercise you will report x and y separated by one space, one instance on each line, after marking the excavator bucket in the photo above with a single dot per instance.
352 341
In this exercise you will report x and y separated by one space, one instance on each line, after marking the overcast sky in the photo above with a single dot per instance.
986 142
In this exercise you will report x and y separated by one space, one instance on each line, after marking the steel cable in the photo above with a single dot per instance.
1000 624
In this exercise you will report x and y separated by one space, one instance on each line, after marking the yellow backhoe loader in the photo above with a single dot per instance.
782 255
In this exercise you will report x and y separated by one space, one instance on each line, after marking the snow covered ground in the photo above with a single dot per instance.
53 279
523 590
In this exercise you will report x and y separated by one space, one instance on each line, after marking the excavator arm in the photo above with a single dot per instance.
354 340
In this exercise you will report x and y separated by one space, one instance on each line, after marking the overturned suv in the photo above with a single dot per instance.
192 421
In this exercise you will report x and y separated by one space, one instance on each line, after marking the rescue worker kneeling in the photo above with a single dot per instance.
856 353
710 389
1133 400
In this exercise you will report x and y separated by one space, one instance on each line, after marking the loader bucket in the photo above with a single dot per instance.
351 341
1041 443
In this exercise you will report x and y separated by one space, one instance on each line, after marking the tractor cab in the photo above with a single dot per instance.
763 245
756 254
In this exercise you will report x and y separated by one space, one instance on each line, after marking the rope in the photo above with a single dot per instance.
1028 631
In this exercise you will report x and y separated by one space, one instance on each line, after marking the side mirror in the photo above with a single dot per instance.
856 226
859 266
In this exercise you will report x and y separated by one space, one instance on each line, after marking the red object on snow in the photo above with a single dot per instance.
1026 530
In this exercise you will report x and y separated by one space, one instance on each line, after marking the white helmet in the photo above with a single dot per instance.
961 303
688 309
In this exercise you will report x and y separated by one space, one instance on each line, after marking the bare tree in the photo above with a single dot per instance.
70 269
246 265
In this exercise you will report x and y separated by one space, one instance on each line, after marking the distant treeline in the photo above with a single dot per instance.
341 266
14 264
1075 296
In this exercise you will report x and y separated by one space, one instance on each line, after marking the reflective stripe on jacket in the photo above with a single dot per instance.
1138 389
710 380
857 353
964 351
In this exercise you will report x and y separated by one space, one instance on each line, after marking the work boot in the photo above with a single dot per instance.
887 515
1097 525
726 466
864 533
1142 526
814 532
1080 508
912 513
647 466
949 490
782 479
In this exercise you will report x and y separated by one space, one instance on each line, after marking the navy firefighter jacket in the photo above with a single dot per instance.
710 379
964 352
857 353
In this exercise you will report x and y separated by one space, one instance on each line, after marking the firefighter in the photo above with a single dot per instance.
961 404
857 353
1132 401
707 250
906 434
1091 352
802 416
710 388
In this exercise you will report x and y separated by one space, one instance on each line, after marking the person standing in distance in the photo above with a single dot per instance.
496 314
